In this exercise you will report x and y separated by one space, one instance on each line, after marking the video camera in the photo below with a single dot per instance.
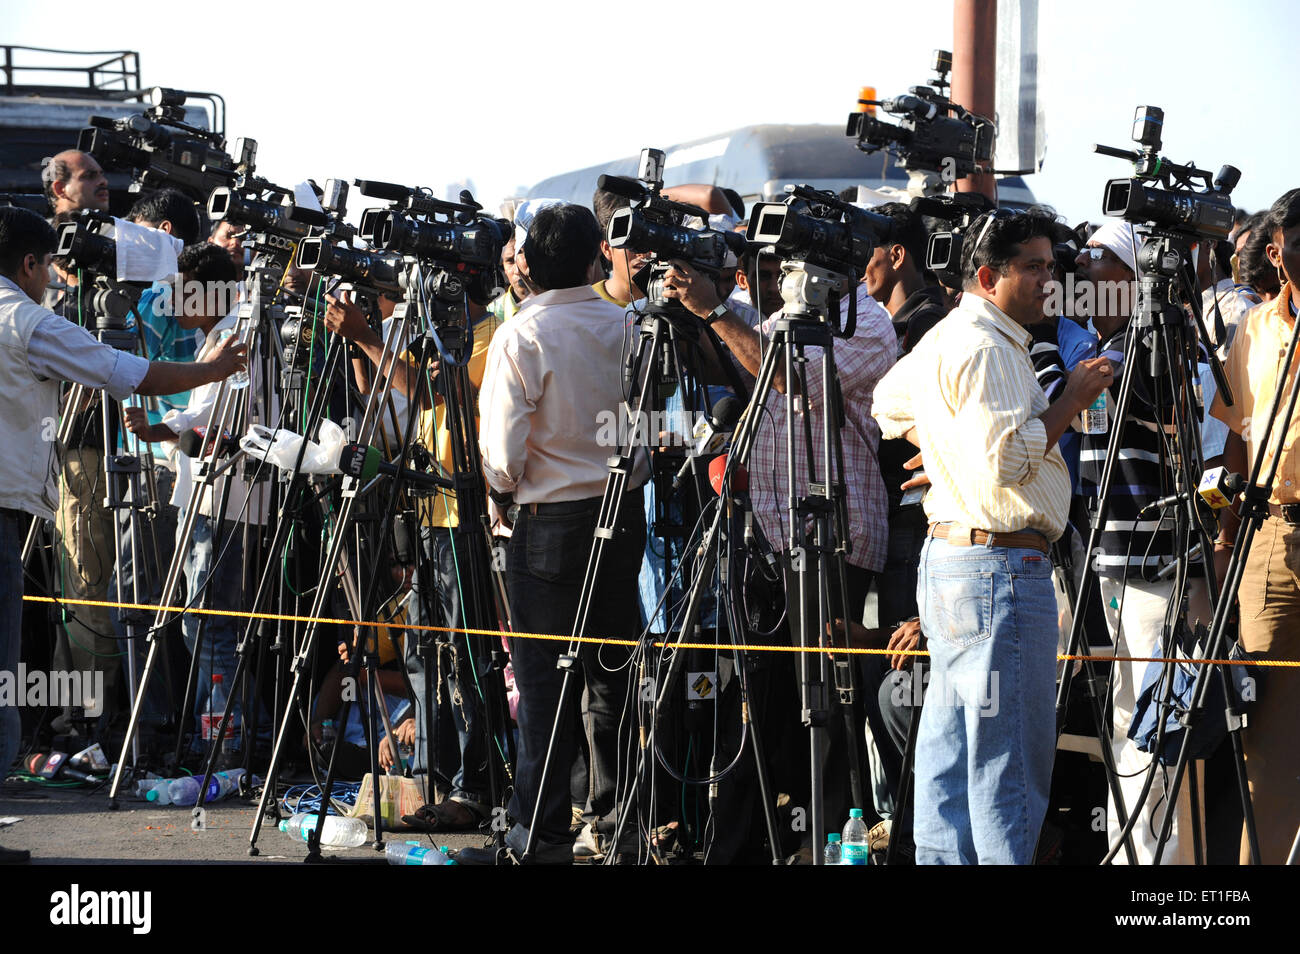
1179 206
934 134
819 228
824 244
83 247
943 247
264 207
162 150
654 224
416 227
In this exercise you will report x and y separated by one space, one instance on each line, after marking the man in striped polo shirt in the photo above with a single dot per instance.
1136 547
968 397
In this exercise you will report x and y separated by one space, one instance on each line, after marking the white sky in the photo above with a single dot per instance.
506 93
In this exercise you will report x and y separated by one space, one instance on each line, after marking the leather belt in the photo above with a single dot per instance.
1287 512
959 536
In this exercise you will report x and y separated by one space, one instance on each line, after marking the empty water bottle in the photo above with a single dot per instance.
413 853
854 848
239 379
185 791
337 832
832 855
160 792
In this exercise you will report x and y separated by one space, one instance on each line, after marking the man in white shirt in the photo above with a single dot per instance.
554 375
38 350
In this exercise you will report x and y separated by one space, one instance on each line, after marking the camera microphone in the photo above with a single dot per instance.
722 419
911 105
364 463
621 186
1217 488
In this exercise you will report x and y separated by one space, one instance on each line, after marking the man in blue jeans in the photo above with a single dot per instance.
1000 492
554 373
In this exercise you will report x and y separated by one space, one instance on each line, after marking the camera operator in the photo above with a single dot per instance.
73 182
552 373
758 279
860 362
467 803
1269 597
968 397
1133 548
207 567
229 236
43 350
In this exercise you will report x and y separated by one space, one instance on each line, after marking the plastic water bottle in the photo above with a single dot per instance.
185 791
337 832
833 855
854 848
1094 416
413 853
160 794
239 380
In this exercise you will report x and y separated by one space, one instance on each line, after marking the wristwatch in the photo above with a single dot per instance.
716 313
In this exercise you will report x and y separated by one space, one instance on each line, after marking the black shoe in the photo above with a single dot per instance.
14 856
483 857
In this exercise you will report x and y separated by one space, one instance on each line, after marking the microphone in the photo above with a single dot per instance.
915 105
739 476
753 533
621 186
1217 488
191 443
364 463
722 420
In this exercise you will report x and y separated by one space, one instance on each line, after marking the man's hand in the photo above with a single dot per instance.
405 734
1088 379
697 293
136 419
906 637
227 358
917 480
344 318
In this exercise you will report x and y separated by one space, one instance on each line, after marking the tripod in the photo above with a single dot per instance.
817 555
1171 339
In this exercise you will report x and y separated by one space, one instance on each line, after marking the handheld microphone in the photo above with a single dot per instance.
190 443
722 419
364 463
753 533
1217 488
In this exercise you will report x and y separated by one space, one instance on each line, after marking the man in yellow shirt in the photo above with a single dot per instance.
1269 596
447 555
968 397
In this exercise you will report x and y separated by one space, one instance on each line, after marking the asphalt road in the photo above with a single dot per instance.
76 827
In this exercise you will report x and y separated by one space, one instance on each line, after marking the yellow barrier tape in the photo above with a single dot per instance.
597 640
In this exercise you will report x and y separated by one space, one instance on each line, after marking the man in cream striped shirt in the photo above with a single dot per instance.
999 492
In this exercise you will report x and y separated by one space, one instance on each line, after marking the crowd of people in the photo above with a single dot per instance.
975 395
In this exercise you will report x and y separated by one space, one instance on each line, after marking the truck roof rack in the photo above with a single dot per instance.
94 74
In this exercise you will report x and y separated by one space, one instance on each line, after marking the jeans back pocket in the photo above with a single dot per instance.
959 605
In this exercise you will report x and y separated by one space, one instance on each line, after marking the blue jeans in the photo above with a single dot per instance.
12 530
221 633
436 602
988 730
544 570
